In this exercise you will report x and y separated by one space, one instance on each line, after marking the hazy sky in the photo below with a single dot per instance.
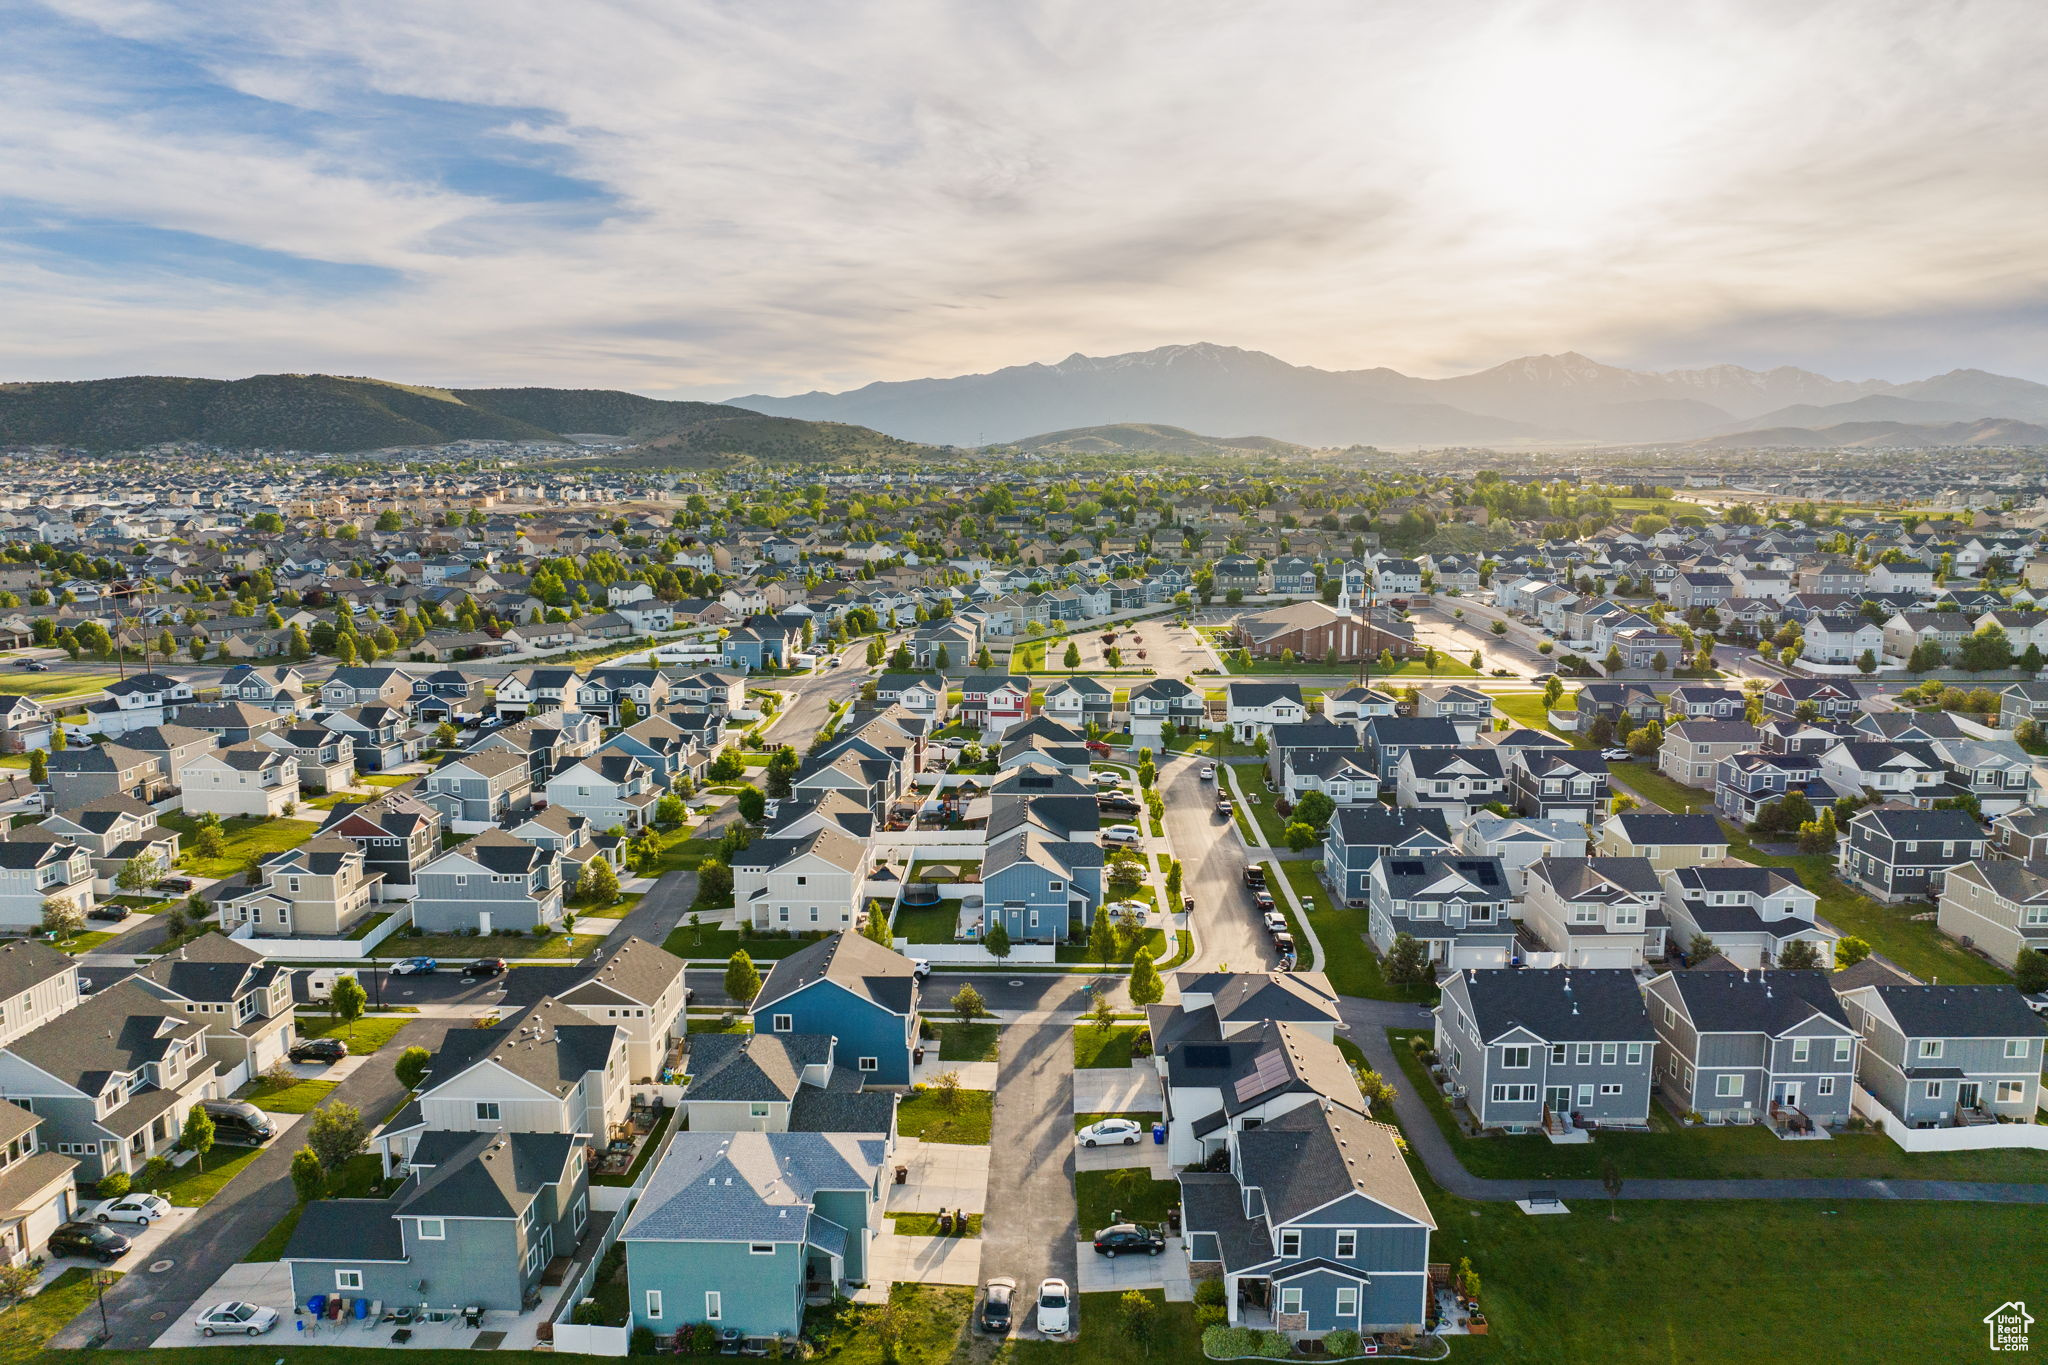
702 200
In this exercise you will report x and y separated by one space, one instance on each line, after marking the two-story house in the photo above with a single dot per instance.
37 985
610 788
1905 772
116 832
778 1083
1254 707
474 791
248 780
1454 781
1746 783
1596 912
244 1001
35 871
1997 906
1158 702
1751 914
1456 906
854 989
1359 836
327 760
1558 784
321 889
80 775
1948 1056
39 1187
1693 749
1897 853
1555 1051
398 834
493 883
1754 1047
803 884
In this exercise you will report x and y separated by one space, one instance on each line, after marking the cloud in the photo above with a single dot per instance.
711 198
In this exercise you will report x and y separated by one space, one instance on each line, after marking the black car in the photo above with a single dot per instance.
1130 1239
101 1243
485 966
995 1305
239 1121
1117 805
108 910
319 1050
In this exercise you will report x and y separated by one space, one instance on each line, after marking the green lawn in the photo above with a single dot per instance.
1128 1195
1732 1153
920 1115
968 1042
1077 950
1349 959
922 1325
368 1034
388 779
927 923
86 942
245 842
1917 946
1104 1339
1642 778
676 851
189 1187
25 1327
718 1025
646 1153
1524 709
1109 1048
300 1097
927 1225
706 943
54 686
618 909
1411 669
487 945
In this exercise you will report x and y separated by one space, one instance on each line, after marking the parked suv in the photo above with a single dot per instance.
239 1119
1254 875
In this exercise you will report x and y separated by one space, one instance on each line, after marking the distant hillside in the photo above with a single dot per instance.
1989 431
331 413
1134 438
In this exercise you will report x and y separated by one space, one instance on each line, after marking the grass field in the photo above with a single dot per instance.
618 909
486 945
299 1097
1112 1048
968 1042
55 686
245 841
1127 1195
922 1325
927 1225
1077 950
920 1115
927 923
189 1187
368 1034
25 1327
1349 959
1642 778
705 943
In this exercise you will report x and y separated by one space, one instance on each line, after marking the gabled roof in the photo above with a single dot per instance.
1558 1005
1315 1155
1771 1002
869 971
749 1187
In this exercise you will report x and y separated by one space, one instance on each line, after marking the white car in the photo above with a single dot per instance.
920 968
130 1208
1120 834
1054 1314
1108 780
1109 1131
235 1319
1617 756
1208 772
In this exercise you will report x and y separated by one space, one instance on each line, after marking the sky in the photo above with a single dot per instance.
701 200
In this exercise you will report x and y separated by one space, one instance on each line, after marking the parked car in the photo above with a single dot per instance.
485 966
1276 923
318 1050
32 665
1283 944
995 1304
1254 874
1105 1132
130 1208
1224 806
179 884
414 966
231 1319
1117 805
239 1119
771 808
1208 773
1054 1315
108 910
1120 834
1617 756
920 968
1114 781
2037 1002
1262 901
89 1239
1128 1239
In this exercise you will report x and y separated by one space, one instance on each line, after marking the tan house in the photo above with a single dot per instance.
317 890
1668 841
243 779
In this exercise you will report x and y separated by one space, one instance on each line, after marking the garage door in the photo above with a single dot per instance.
1603 957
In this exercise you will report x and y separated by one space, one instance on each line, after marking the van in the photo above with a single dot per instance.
239 1119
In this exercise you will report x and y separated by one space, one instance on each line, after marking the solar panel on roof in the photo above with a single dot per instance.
1269 1071
1207 1056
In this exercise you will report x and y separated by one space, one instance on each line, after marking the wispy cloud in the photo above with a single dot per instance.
709 198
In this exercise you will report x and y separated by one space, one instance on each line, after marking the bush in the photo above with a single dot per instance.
1208 1315
642 1343
1342 1342
113 1184
1276 1345
1210 1293
1224 1342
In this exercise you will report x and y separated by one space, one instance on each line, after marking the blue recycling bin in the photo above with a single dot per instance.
1159 1133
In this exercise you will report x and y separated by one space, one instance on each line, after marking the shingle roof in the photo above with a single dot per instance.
1559 1005
1746 1002
859 964
748 1187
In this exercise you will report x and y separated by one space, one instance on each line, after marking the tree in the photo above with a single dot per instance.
1102 940
1800 955
1553 693
1148 772
209 842
714 883
1610 1181
137 874
1408 961
338 1134
997 941
1072 658
599 885
1700 949
742 978
1299 836
946 1085
669 811
1176 881
61 917
1146 987
1315 809
1866 663
874 926
1850 950
753 803
727 767
38 767
309 1177
411 1067
967 1003
198 1135
1646 740
18 1282
389 520
1140 1320
346 1002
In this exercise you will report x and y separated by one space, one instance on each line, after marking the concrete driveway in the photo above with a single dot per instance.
1167 1271
1117 1090
919 1260
943 1175
1145 1152
267 1284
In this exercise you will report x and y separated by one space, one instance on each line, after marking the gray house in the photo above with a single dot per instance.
1556 1051
1948 1056
478 1219
737 1229
1754 1047
1316 1226
492 884
476 789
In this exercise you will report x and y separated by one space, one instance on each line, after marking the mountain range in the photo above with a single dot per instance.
338 414
1132 438
1206 387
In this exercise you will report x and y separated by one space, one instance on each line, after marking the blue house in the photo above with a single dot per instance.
738 1229
854 989
1360 836
1318 1226
1041 872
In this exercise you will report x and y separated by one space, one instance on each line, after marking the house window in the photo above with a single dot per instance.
1610 1089
1347 1302
1800 1048
1929 1047
1728 1087
1290 1241
870 1064
1842 1046
348 1279
433 1230
654 1304
714 1305
784 1023
1825 1086
760 1248
2015 1047
2012 1092
1609 1053
1514 1058
759 1111
1557 1052
487 1113
1585 1054
1932 1090
1670 1016
1347 1243
1635 1054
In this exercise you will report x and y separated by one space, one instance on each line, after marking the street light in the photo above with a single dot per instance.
101 1281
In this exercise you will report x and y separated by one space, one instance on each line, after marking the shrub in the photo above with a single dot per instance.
1210 1292
113 1184
643 1341
1276 1345
1342 1342
1208 1315
1224 1342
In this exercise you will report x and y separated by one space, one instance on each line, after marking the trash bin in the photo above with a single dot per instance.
1159 1133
